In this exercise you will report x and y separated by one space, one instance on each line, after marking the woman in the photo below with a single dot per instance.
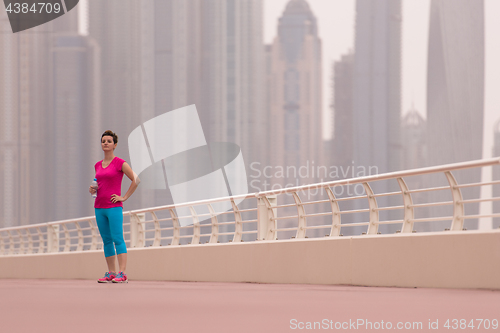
109 207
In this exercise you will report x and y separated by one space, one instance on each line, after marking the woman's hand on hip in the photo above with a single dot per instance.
115 198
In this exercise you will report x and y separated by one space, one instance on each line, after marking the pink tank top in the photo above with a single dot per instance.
109 181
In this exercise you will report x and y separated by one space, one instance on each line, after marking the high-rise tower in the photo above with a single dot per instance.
377 85
124 31
377 97
232 75
455 90
343 112
413 140
75 117
24 102
295 94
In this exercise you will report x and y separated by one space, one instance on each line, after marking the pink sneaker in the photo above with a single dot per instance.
120 278
108 277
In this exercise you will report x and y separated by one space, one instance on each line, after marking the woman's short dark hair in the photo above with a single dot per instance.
112 134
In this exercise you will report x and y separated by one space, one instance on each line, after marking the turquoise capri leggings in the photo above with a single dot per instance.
110 224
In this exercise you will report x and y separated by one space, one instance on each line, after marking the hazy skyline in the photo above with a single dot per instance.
337 17
336 30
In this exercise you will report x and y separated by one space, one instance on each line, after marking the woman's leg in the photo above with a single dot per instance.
115 216
111 262
122 262
103 224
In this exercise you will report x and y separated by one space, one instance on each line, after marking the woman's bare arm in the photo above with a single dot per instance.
127 170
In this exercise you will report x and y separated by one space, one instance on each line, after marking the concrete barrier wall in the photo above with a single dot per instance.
469 259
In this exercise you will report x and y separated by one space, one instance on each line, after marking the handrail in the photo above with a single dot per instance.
262 218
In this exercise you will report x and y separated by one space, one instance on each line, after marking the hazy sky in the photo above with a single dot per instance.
336 29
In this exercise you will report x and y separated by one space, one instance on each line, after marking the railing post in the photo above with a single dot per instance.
238 226
41 243
176 232
409 213
137 229
157 241
196 226
67 241
79 246
215 224
30 241
302 222
372 204
53 238
458 205
266 224
22 244
336 223
11 243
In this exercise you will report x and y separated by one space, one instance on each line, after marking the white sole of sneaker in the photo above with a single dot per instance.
120 281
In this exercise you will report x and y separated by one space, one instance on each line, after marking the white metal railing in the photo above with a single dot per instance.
160 226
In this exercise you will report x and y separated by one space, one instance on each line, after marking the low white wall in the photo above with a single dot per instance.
467 259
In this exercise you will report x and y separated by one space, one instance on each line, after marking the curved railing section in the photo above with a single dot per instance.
269 215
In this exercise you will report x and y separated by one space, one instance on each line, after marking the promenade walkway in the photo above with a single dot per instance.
75 306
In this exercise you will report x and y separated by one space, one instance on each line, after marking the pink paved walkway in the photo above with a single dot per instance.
85 306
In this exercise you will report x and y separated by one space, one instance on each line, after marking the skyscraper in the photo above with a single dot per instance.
24 100
295 94
177 38
233 83
413 140
339 150
209 53
120 30
295 106
124 32
377 97
455 90
48 112
343 111
177 67
377 84
74 131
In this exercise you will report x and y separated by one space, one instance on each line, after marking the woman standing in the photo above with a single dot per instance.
109 207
